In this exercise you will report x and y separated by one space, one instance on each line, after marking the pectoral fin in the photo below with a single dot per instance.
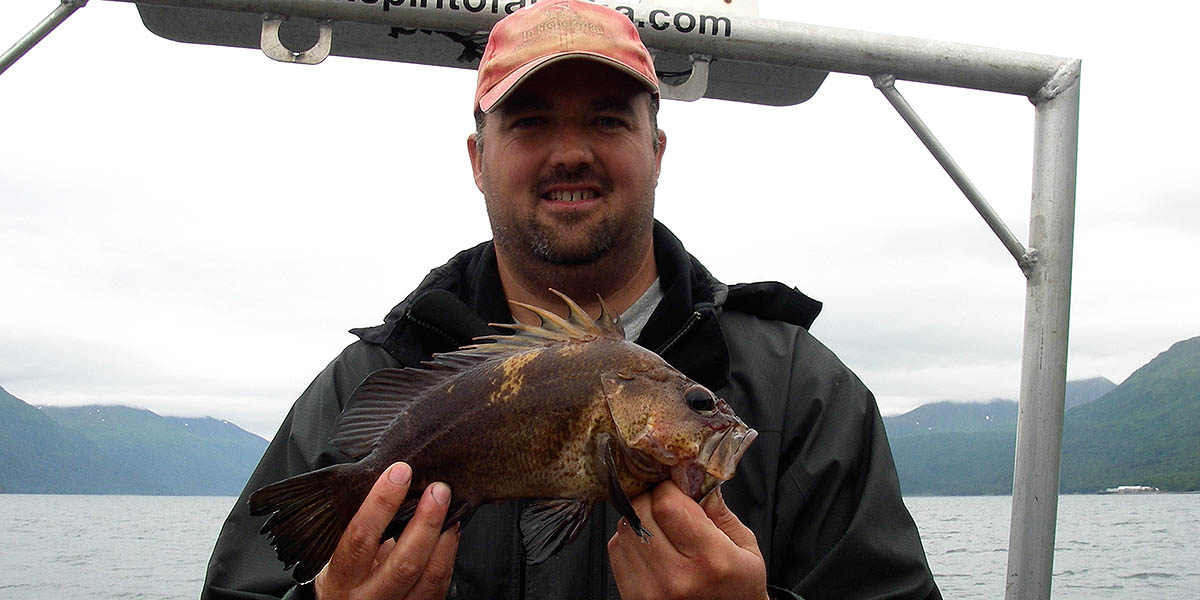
549 525
606 467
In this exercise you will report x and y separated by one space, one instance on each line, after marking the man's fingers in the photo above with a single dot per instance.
627 568
385 548
435 579
714 506
697 552
408 560
355 553
681 519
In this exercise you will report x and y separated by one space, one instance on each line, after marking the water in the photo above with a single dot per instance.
130 547
1114 546
106 547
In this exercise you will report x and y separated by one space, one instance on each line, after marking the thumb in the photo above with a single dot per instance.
714 506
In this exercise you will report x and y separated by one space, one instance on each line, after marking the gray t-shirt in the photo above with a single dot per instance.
635 317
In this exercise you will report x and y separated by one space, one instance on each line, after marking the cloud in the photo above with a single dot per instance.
196 236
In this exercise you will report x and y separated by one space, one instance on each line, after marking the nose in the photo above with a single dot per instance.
570 148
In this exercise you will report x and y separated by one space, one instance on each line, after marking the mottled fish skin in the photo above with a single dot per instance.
558 411
532 436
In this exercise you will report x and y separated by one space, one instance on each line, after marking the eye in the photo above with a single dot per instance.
610 122
699 399
526 122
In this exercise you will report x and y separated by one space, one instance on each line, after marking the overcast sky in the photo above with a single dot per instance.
192 229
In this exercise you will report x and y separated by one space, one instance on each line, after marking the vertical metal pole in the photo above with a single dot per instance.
65 9
1044 359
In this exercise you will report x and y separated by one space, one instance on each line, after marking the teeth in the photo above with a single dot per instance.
571 196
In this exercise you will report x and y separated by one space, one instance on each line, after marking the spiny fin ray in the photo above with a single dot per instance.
552 329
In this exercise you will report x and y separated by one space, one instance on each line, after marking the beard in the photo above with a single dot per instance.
566 244
548 244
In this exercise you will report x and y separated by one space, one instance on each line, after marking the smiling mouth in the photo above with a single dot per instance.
570 195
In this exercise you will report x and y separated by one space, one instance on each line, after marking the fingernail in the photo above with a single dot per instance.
400 474
714 498
441 493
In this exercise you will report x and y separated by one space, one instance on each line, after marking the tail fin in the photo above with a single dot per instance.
311 512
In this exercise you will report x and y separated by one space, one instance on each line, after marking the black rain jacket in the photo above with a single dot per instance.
818 487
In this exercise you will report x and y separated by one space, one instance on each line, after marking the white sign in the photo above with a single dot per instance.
740 8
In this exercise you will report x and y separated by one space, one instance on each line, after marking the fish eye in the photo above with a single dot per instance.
699 399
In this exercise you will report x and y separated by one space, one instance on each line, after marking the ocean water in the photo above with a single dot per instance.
1111 546
132 547
106 547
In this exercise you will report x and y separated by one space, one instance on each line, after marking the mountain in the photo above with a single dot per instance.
953 417
954 448
1086 390
120 450
42 457
1145 431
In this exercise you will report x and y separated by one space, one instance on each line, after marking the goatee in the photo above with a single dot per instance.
545 244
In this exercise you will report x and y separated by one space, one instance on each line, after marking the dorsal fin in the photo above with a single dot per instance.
552 328
610 324
386 393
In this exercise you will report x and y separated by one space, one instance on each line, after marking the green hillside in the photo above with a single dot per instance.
42 457
953 417
1144 432
120 450
188 456
956 464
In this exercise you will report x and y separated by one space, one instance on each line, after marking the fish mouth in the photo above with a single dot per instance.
715 463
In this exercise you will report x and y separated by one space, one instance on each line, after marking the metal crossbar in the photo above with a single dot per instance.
1050 83
1024 258
65 9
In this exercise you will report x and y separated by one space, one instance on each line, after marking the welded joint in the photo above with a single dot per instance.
274 49
696 85
1027 260
1064 78
883 81
74 3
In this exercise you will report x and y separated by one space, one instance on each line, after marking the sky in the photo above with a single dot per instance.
192 229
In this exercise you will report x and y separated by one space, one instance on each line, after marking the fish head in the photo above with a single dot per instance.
672 427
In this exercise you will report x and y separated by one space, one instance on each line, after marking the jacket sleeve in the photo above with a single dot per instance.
839 510
243 565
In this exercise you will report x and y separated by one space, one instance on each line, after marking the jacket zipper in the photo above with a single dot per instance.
691 322
408 315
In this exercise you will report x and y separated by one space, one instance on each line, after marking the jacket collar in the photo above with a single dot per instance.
684 329
454 303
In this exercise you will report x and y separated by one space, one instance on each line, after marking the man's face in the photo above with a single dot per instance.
569 165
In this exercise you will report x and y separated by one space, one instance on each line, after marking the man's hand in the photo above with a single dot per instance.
415 566
698 551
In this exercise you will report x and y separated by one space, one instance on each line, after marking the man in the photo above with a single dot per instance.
567 155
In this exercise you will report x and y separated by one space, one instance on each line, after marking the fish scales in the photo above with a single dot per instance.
497 451
566 413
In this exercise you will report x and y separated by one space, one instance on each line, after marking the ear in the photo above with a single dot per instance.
662 147
476 161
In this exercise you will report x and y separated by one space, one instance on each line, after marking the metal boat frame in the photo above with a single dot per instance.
1050 83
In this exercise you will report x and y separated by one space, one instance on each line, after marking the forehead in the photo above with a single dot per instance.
577 82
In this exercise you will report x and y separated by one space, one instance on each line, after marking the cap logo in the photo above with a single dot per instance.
564 22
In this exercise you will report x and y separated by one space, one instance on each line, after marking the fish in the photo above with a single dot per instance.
562 414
